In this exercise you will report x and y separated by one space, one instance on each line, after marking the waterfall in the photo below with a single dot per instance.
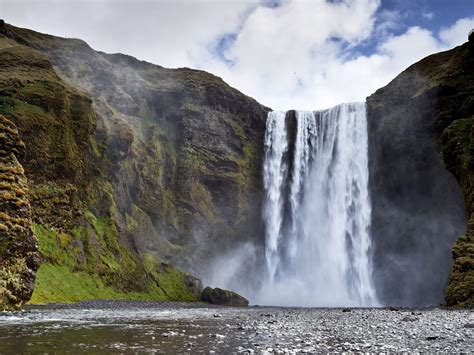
317 210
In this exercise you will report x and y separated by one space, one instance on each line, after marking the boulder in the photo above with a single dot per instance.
223 297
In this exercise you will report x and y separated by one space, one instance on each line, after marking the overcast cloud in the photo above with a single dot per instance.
287 54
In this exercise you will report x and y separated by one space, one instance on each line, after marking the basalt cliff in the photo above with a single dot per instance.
132 169
131 175
421 171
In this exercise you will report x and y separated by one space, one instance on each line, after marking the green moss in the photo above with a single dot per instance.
168 203
56 248
462 129
11 106
59 284
173 283
236 127
63 278
10 278
170 280
94 146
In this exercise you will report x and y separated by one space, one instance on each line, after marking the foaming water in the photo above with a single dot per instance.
317 209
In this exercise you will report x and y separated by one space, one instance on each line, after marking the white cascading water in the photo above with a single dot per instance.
317 209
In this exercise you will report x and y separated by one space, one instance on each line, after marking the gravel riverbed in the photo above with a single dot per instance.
169 327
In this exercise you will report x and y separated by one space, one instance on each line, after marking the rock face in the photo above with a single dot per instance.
179 139
222 297
19 257
130 164
133 168
458 153
420 143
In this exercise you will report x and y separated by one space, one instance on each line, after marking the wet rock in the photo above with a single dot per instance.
19 256
223 297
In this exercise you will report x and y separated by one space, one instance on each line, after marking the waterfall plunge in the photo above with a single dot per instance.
317 209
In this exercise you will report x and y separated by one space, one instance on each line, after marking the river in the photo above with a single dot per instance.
169 327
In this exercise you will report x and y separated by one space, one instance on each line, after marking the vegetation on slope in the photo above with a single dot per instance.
86 249
178 151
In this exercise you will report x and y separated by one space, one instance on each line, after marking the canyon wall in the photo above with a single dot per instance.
420 162
135 172
132 167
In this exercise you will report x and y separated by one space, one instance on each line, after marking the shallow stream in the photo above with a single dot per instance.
168 327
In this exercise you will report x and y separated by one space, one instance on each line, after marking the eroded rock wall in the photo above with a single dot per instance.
19 256
181 149
130 164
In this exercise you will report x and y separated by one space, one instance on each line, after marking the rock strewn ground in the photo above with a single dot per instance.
182 328
19 257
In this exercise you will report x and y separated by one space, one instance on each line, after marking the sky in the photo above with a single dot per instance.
287 54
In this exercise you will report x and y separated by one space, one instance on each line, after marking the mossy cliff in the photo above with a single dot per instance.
19 256
421 165
131 166
134 169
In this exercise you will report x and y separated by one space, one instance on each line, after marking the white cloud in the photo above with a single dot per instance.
428 15
282 54
165 32
299 54
286 58
457 34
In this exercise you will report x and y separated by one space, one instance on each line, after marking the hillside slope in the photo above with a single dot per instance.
130 165
179 139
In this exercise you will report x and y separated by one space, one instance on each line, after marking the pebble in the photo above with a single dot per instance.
204 329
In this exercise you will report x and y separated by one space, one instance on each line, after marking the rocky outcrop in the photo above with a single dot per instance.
420 134
222 297
19 256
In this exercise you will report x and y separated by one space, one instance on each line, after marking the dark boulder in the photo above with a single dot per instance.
223 297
